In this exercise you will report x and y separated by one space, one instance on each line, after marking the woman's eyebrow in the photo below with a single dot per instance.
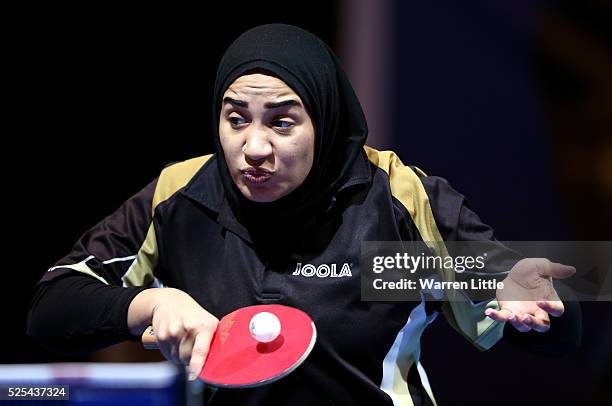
290 102
268 105
239 103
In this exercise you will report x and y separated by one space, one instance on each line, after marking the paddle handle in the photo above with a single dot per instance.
149 340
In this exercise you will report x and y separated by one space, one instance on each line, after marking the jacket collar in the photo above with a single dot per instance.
206 189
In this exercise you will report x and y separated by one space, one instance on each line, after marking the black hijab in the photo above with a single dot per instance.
309 67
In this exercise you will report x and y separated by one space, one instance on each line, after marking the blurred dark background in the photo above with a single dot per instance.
511 102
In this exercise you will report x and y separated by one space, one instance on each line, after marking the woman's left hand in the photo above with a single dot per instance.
528 296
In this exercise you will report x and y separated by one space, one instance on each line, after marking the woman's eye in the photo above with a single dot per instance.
283 124
236 121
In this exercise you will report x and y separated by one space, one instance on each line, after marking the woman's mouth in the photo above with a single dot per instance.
256 176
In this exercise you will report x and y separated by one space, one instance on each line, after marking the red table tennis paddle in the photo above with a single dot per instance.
237 360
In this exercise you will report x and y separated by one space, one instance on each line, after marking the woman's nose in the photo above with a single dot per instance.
257 147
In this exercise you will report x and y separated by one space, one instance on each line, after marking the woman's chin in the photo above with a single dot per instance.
260 194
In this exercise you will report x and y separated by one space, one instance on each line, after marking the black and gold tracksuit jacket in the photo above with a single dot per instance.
180 232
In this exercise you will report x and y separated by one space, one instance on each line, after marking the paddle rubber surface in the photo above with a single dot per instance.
236 359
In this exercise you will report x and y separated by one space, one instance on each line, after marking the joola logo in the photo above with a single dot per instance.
322 271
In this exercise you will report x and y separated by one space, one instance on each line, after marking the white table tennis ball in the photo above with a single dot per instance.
265 327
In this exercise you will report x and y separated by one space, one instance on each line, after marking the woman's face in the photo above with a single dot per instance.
267 137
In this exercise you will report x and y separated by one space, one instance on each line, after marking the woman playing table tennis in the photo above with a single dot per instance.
291 184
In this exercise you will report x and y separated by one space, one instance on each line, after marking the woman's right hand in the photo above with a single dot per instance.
182 327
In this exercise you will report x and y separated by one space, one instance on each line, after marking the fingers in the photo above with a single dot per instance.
169 336
553 307
523 322
183 328
539 323
187 343
198 355
557 270
176 333
519 323
185 348
502 315
194 347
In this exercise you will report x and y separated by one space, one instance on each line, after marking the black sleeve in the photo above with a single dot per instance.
457 222
81 303
76 314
